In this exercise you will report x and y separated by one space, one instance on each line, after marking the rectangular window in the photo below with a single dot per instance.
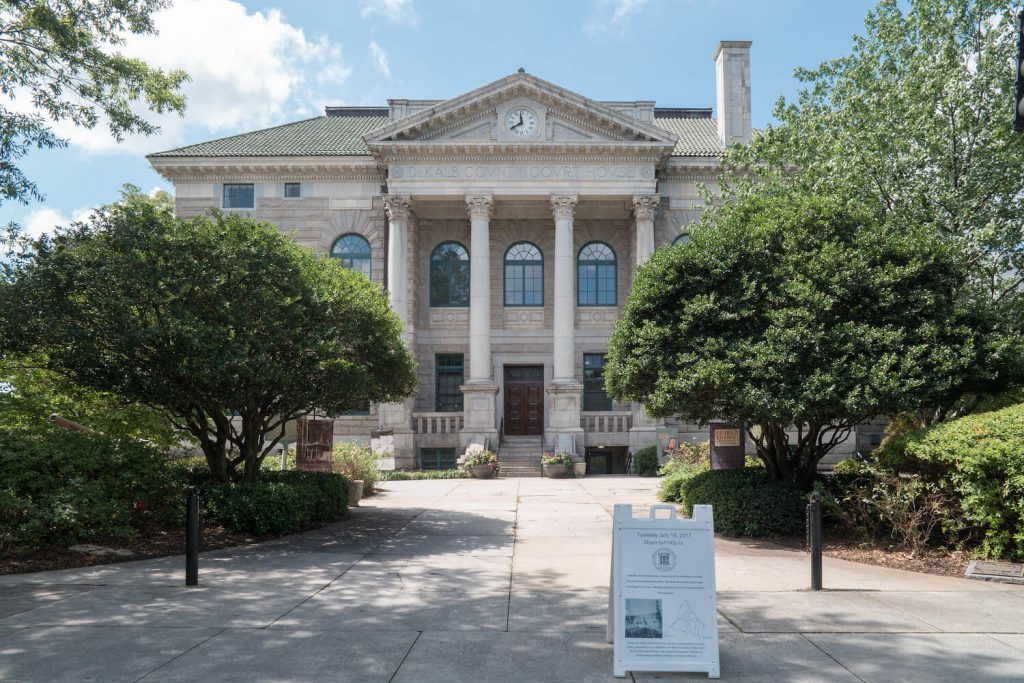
594 396
239 196
449 376
293 190
361 410
437 458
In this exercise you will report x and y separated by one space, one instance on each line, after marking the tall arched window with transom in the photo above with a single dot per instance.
449 275
354 252
595 273
681 239
524 275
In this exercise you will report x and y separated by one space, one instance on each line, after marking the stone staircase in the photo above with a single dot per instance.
520 456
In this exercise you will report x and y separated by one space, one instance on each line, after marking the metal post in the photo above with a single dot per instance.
192 537
814 539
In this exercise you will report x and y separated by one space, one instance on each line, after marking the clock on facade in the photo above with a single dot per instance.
521 122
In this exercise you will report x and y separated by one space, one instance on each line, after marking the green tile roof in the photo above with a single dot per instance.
343 136
322 136
697 137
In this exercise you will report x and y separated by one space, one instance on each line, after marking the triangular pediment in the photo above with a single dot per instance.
524 112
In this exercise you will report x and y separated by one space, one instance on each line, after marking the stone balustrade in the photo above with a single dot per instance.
606 422
437 423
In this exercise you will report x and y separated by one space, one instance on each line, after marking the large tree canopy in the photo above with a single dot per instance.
223 323
800 318
59 62
914 126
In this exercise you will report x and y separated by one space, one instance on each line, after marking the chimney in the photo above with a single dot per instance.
732 71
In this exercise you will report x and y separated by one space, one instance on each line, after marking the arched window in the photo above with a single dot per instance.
681 239
449 275
595 275
524 275
354 253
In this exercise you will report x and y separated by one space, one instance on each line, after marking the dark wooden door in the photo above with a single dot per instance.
524 400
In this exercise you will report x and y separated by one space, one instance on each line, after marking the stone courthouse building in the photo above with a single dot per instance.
506 224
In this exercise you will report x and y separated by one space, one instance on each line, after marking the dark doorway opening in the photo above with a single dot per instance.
524 400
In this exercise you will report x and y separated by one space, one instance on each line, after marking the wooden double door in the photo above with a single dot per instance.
524 400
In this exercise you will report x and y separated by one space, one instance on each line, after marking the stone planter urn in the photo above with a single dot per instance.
481 471
579 469
556 471
355 492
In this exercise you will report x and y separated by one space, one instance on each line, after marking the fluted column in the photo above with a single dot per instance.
564 207
644 431
645 208
563 431
397 208
397 417
479 288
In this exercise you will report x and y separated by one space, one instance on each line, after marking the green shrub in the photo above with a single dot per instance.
279 503
402 475
746 502
981 459
877 503
62 487
355 461
674 475
646 461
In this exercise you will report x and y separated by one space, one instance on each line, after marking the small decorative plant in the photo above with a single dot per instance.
483 458
557 459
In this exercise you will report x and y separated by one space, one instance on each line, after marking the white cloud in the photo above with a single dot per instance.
611 18
248 70
398 11
45 220
381 57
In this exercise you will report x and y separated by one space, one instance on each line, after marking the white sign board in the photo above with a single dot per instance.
662 609
382 444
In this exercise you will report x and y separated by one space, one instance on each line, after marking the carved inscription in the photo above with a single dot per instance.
521 172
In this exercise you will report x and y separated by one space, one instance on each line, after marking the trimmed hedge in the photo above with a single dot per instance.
746 502
61 487
646 461
279 503
416 475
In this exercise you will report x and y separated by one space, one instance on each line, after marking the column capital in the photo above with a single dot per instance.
646 205
563 205
397 205
479 206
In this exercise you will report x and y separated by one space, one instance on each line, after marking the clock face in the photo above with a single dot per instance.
521 122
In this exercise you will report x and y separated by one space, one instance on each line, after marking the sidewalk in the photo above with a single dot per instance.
505 580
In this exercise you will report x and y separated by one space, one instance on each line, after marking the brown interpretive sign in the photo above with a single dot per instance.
727 446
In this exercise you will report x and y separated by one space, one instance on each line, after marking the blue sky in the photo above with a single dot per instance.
260 63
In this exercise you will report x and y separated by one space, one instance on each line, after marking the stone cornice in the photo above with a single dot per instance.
489 150
218 169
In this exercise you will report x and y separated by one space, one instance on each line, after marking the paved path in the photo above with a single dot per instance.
485 581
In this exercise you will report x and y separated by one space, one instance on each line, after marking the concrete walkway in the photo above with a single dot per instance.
485 581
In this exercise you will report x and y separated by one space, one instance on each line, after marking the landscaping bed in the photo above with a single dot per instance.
940 562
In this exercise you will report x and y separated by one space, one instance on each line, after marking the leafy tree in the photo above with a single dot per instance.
225 325
799 318
60 59
914 126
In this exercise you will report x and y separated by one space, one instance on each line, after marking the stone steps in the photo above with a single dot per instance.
520 456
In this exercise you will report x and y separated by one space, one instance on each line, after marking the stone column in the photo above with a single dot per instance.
645 208
479 411
644 430
565 393
397 417
397 208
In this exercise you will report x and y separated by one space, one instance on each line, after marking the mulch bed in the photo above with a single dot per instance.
943 563
158 544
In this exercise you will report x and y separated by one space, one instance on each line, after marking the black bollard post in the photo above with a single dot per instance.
814 539
192 537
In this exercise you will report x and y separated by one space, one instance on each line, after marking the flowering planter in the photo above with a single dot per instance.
481 471
556 471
